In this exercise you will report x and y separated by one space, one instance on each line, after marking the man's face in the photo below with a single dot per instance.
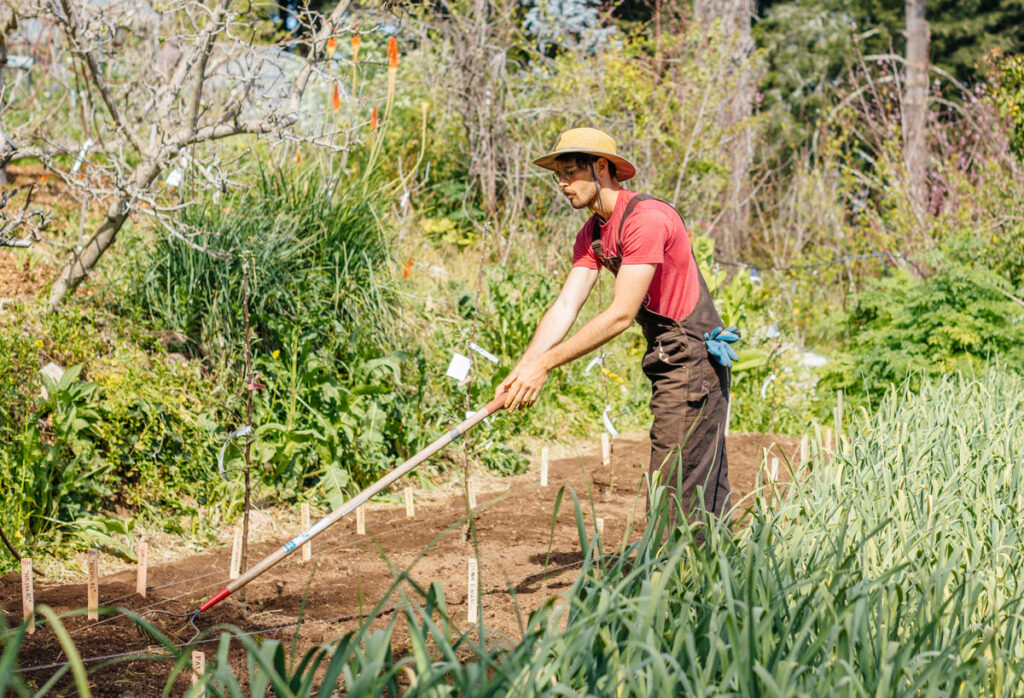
577 184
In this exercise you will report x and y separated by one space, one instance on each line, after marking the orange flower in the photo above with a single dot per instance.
331 47
356 41
373 120
336 99
392 53
408 268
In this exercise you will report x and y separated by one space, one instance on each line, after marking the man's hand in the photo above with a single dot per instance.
523 384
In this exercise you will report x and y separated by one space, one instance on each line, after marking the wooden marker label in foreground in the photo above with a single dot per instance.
93 567
410 507
775 469
471 615
599 523
472 494
544 467
360 520
236 555
198 665
142 570
805 444
307 548
28 596
606 448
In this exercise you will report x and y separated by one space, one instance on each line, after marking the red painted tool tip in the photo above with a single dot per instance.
215 599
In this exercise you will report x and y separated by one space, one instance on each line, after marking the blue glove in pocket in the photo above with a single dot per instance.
719 342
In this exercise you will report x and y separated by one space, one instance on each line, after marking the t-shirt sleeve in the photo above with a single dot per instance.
644 236
582 253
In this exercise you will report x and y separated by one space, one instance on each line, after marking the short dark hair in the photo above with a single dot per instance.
582 160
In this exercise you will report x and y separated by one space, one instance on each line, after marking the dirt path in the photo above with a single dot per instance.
351 573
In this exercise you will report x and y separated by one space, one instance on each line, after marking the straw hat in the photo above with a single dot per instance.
592 142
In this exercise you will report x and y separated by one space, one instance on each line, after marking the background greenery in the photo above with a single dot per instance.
367 272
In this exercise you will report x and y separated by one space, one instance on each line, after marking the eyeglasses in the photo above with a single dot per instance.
565 174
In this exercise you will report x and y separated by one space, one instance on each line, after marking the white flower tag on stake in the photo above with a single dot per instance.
459 367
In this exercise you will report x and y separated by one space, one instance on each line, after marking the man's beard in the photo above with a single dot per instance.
579 202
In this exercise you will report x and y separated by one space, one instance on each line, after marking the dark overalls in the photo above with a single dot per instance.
690 393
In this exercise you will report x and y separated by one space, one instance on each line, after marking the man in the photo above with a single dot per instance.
645 244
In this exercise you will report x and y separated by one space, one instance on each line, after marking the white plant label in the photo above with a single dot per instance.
483 352
471 584
236 555
28 597
93 567
360 520
775 469
142 571
607 420
544 467
410 507
459 367
198 665
307 548
606 449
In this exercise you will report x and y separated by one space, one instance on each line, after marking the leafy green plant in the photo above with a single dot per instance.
52 475
905 330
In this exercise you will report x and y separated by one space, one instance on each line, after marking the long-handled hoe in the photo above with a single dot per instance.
351 505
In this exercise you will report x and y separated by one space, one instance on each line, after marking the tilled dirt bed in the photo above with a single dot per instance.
349 574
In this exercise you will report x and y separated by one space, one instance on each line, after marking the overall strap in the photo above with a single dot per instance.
625 214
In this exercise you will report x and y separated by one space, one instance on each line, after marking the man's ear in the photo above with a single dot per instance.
602 168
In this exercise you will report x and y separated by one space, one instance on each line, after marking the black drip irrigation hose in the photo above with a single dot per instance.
9 546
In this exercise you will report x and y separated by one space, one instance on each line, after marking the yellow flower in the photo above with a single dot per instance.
39 343
277 353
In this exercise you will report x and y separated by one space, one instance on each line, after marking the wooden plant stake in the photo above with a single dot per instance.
28 596
236 555
471 583
410 506
599 523
198 666
360 521
774 472
93 584
544 467
307 548
142 570
472 494
805 444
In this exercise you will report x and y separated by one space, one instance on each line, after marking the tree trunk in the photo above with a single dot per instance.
915 106
84 261
735 16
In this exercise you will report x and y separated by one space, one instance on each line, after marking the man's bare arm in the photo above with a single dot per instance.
556 322
631 286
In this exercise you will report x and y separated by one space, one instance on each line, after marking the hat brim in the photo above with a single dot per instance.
623 168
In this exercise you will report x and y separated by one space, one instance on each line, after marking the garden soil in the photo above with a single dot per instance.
524 560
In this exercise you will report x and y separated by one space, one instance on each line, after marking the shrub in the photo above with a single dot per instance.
906 330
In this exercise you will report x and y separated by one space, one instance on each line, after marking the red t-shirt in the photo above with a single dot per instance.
653 234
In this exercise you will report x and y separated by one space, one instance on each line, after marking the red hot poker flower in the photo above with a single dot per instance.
392 53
